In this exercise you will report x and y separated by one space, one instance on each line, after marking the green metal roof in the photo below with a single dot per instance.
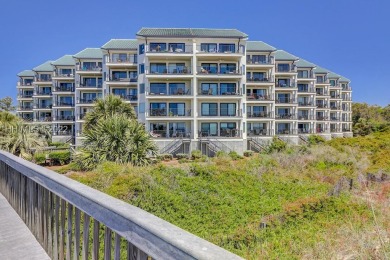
121 44
66 60
26 73
284 55
259 46
333 75
320 70
304 64
45 67
191 32
89 53
344 79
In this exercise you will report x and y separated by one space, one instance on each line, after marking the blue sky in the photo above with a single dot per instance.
349 37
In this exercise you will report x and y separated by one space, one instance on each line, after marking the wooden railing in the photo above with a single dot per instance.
71 220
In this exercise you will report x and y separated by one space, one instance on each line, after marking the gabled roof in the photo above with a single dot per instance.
191 32
320 70
333 75
284 55
344 79
66 60
304 64
121 44
45 67
26 73
259 46
89 53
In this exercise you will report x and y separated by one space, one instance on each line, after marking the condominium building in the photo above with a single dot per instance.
208 89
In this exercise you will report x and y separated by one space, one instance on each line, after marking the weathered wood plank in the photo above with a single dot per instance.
86 236
76 234
95 249
69 232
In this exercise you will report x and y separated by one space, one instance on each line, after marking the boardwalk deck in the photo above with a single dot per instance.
16 240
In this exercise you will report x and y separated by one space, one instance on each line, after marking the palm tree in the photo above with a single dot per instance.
113 134
108 107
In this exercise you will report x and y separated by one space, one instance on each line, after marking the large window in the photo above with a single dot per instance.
228 88
158 109
283 83
223 47
259 76
283 98
259 59
89 82
283 67
158 68
211 68
303 74
90 97
177 47
303 87
227 68
177 109
209 109
119 92
209 129
228 129
158 46
320 79
176 68
177 129
208 47
141 49
158 89
117 75
332 82
228 109
209 88
177 89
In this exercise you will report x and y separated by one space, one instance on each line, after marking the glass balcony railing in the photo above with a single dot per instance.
265 79
305 131
168 70
43 106
286 131
177 91
88 68
260 132
306 117
223 133
219 91
203 70
259 114
116 58
283 100
169 112
25 108
259 97
321 105
286 85
127 79
286 116
128 97
306 103
321 118
64 104
169 48
178 133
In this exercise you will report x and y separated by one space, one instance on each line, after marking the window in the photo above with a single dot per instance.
228 88
283 83
177 109
208 47
158 47
158 109
209 109
89 82
228 109
119 92
228 129
176 68
100 82
141 49
227 48
332 82
158 89
209 129
133 75
90 97
209 88
177 89
259 59
142 88
320 79
45 77
159 129
283 67
175 129
66 71
177 47
141 68
117 75
259 76
158 68
303 74
283 98
259 111
227 68
211 68
303 87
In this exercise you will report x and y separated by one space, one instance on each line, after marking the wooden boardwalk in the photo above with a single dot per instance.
16 240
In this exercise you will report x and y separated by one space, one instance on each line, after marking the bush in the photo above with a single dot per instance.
39 158
184 160
235 156
221 153
315 139
165 156
60 157
248 153
277 145
182 156
196 154
59 145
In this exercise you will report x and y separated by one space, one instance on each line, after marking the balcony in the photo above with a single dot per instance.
94 69
120 81
335 130
171 71
260 114
86 85
24 95
322 118
63 118
46 80
63 89
347 99
322 93
335 96
286 131
86 100
309 76
115 59
178 133
43 119
322 81
222 113
347 130
321 105
288 85
24 108
321 130
128 97
285 116
171 112
306 103
64 76
306 117
25 84
306 90
43 106
204 71
42 93
162 91
289 69
346 88
333 107
63 104
222 49
334 118
169 50
219 91
252 80
305 131
285 101
260 132
259 97
269 61
222 133
27 119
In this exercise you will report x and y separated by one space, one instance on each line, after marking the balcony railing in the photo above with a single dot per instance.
223 133
335 130
347 130
178 133
169 49
86 100
308 76
25 84
221 50
25 95
322 81
60 74
63 89
221 113
306 90
286 85
306 117
27 119
286 131
347 88
259 97
286 116
88 68
81 116
268 61
322 93
347 99
169 112
261 114
133 59
63 118
63 104
305 131
42 93
305 103
202 70
25 108
43 106
321 105
260 132
45 79
321 130
44 119
289 69
335 96
260 80
131 79
285 101
170 92
335 107
321 118
219 92
334 118
128 97
169 70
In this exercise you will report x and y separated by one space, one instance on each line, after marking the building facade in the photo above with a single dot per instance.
207 89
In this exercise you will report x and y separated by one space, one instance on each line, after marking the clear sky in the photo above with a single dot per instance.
349 37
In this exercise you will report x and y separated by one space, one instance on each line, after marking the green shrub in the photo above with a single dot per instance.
221 153
182 156
196 154
316 139
277 145
39 158
59 145
183 160
234 155
165 156
248 153
60 157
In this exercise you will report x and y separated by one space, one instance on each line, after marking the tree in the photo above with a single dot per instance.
113 134
6 104
369 118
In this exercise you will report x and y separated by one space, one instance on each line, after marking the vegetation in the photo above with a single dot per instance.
6 104
113 134
368 119
322 201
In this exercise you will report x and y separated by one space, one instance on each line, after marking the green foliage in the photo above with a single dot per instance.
276 145
39 158
221 153
182 156
316 139
59 144
234 155
165 156
248 153
368 119
60 157
6 104
196 154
